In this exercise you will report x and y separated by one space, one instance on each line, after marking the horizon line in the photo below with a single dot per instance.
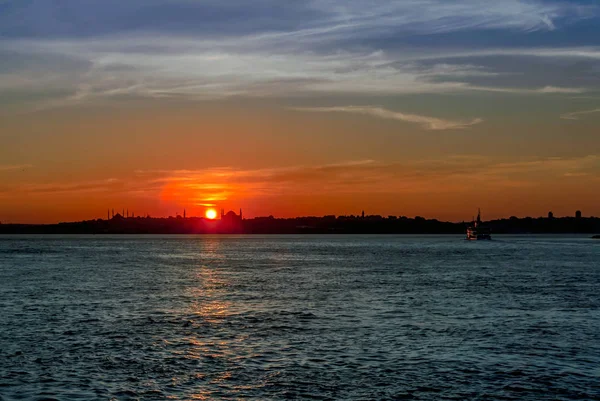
351 216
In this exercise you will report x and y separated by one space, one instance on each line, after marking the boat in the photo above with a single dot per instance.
478 231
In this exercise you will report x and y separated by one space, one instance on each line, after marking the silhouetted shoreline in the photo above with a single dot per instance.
306 225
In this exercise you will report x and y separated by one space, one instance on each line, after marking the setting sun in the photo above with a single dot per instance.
211 214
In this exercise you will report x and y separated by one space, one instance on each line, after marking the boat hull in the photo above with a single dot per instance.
478 235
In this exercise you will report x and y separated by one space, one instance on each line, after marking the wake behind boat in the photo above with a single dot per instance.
478 231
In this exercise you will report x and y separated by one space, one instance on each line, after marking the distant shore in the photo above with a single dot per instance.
307 225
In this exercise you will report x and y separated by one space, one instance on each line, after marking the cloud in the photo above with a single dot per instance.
528 91
106 185
430 123
558 165
266 64
14 167
184 68
452 173
575 115
300 20
78 53
554 89
573 52
454 70
548 22
343 180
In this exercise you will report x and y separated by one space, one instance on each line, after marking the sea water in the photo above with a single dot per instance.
299 317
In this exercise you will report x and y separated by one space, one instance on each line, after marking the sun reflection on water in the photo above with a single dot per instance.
221 349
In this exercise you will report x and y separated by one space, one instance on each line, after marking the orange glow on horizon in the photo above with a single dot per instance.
211 214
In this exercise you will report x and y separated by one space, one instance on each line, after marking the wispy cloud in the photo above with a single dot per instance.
14 167
528 91
47 188
182 67
454 70
574 52
555 89
319 46
452 173
315 18
220 186
431 123
576 114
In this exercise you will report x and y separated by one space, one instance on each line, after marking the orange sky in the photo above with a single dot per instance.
75 163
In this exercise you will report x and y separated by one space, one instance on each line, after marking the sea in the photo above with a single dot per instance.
299 318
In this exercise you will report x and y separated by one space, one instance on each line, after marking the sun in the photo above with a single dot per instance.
211 214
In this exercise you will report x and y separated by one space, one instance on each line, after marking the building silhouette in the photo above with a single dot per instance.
231 222
230 218
578 214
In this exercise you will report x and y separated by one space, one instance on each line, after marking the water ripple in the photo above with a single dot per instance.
322 318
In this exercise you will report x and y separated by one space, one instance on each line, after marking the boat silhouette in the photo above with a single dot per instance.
477 231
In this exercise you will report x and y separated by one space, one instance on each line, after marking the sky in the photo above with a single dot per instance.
312 107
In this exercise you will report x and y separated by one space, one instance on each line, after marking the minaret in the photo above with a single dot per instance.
108 214
127 213
184 213
241 214
113 213
222 213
